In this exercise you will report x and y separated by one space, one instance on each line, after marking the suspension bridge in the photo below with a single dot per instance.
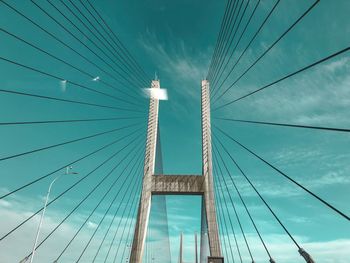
97 191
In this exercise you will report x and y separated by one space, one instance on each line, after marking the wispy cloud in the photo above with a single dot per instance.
318 97
337 65
188 66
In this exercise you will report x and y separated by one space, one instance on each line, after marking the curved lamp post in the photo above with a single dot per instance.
67 171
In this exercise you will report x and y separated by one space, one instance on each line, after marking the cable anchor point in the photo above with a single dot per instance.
306 256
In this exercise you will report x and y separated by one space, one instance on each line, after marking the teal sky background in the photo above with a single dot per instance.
176 40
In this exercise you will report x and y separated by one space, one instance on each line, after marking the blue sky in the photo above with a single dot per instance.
176 39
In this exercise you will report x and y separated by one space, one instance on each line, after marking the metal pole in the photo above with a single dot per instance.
181 249
42 218
195 247
43 212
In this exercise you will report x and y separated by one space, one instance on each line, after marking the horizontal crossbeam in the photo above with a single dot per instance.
177 184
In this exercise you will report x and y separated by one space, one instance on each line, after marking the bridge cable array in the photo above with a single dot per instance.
266 51
119 71
228 58
216 152
105 89
67 45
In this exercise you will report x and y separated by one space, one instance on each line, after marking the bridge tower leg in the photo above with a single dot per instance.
209 230
149 168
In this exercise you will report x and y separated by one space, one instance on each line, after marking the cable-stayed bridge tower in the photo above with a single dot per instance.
179 184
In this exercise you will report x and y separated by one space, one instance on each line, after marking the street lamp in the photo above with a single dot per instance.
67 171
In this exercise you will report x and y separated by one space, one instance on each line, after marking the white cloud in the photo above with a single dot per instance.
19 244
283 250
91 225
4 203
